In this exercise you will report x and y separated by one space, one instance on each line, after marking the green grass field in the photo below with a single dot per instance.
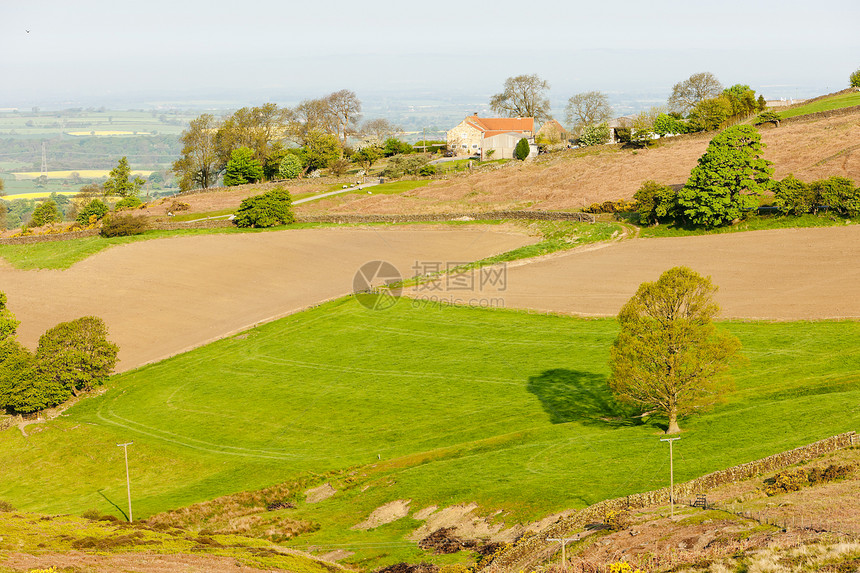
826 104
435 404
753 223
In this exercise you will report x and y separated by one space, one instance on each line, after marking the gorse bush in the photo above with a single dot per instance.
654 202
621 206
123 226
267 210
95 208
132 202
793 480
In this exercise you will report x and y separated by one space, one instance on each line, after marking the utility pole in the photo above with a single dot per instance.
671 477
44 172
127 481
564 541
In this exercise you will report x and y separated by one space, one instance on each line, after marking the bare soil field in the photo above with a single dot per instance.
786 274
574 179
166 296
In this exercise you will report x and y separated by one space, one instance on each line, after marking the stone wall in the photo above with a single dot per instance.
30 239
487 215
535 549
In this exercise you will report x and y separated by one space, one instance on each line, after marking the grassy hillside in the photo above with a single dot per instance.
437 405
823 104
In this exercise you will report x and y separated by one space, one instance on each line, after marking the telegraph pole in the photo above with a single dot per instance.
127 481
671 477
564 541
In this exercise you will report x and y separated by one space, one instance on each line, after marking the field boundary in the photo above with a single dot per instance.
530 550
431 217
47 238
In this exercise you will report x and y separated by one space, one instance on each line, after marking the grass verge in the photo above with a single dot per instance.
752 223
825 104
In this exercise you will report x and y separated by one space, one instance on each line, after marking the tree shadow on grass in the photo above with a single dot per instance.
574 396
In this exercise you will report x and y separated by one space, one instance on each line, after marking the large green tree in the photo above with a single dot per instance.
77 354
321 150
242 168
45 213
724 185
121 183
523 96
668 356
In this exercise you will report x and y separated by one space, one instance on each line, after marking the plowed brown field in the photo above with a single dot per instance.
163 297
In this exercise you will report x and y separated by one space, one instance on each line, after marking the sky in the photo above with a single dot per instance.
93 52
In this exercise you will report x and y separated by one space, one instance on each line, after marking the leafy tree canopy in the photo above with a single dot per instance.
242 168
120 183
668 355
291 166
45 213
724 185
694 89
77 354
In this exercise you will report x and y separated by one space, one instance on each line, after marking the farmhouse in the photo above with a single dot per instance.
553 132
488 137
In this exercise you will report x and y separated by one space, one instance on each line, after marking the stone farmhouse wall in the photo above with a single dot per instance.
532 550
464 134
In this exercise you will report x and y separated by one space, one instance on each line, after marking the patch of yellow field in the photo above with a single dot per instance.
106 132
37 195
83 173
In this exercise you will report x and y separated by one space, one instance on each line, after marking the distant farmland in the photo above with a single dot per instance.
83 173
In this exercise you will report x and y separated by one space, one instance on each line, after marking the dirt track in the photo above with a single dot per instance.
790 274
163 297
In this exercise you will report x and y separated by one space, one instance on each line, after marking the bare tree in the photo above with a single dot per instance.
587 108
253 127
345 109
380 129
309 117
523 96
698 87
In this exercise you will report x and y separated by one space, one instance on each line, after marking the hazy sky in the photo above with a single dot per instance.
91 52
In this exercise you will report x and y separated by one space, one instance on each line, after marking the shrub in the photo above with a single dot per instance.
839 194
91 514
5 506
617 520
427 170
621 206
178 206
123 226
654 202
339 166
767 117
128 203
854 79
665 124
522 150
595 134
401 165
94 208
794 197
394 146
267 210
291 166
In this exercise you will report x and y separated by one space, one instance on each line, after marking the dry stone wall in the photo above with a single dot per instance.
532 550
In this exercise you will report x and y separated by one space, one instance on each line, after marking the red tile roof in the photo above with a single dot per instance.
502 124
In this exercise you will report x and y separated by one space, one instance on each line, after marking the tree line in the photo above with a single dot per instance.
272 142
699 103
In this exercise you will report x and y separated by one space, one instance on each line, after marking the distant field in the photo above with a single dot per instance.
836 102
433 404
83 173
101 132
37 195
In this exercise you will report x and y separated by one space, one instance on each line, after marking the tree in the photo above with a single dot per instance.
321 150
344 108
76 354
666 124
761 102
523 96
742 99
522 150
854 79
242 168
724 184
310 117
118 182
594 134
709 114
794 197
200 164
394 146
380 129
668 355
45 213
8 327
366 157
253 127
587 108
694 89
291 166
2 186
267 210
